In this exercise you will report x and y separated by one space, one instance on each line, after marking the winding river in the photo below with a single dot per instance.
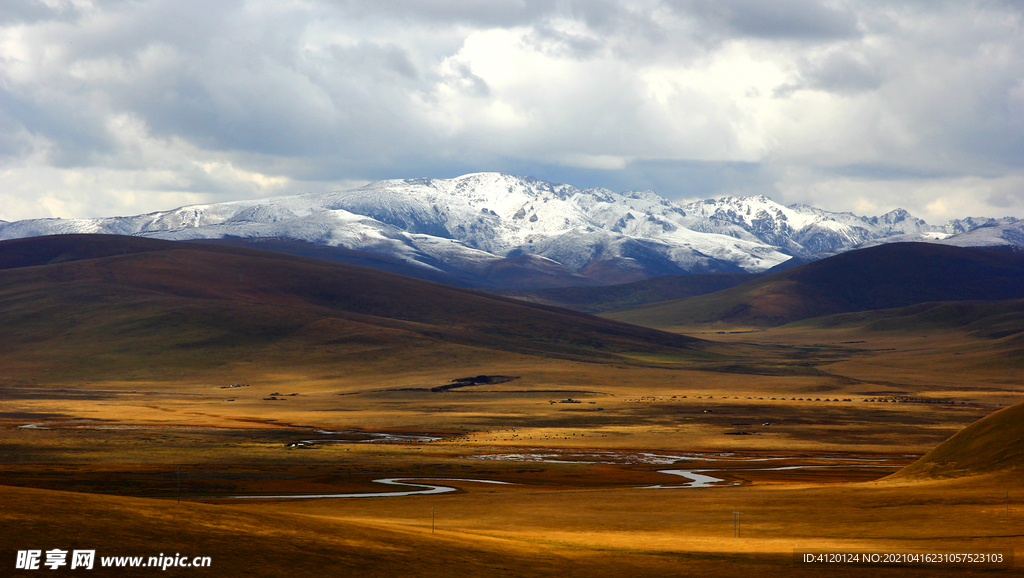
697 480
428 489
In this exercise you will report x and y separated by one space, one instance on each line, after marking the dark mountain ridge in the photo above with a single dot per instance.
614 297
882 277
80 301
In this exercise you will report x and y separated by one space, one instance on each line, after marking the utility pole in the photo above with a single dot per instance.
737 524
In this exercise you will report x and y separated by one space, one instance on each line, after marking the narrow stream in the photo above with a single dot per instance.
429 489
699 480
702 481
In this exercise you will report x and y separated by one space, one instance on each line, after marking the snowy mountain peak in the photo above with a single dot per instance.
971 223
469 224
896 215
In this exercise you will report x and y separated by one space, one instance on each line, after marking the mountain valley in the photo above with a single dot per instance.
149 384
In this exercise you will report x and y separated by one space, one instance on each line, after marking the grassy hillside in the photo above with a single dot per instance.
887 276
984 319
37 251
242 543
616 533
993 443
157 306
520 272
614 297
347 256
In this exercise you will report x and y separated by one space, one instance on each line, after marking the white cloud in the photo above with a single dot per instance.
114 107
936 200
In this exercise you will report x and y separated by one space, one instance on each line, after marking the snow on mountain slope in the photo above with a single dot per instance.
799 229
476 223
997 233
1006 232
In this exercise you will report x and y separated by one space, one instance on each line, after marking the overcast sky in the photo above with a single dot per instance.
116 107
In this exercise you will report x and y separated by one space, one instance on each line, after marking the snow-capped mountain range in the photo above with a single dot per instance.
477 223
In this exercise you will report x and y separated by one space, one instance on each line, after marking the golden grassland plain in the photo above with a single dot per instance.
804 435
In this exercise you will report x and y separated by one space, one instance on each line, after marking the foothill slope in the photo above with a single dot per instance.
883 277
993 444
107 304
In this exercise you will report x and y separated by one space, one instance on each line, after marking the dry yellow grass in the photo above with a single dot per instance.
534 532
127 439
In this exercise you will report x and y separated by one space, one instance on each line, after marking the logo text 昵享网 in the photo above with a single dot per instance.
86 559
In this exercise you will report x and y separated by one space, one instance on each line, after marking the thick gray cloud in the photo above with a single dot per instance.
115 107
16 12
808 20
837 71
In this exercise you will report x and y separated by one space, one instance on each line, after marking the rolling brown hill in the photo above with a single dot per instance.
994 443
522 272
626 295
243 542
983 319
519 272
108 305
883 277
